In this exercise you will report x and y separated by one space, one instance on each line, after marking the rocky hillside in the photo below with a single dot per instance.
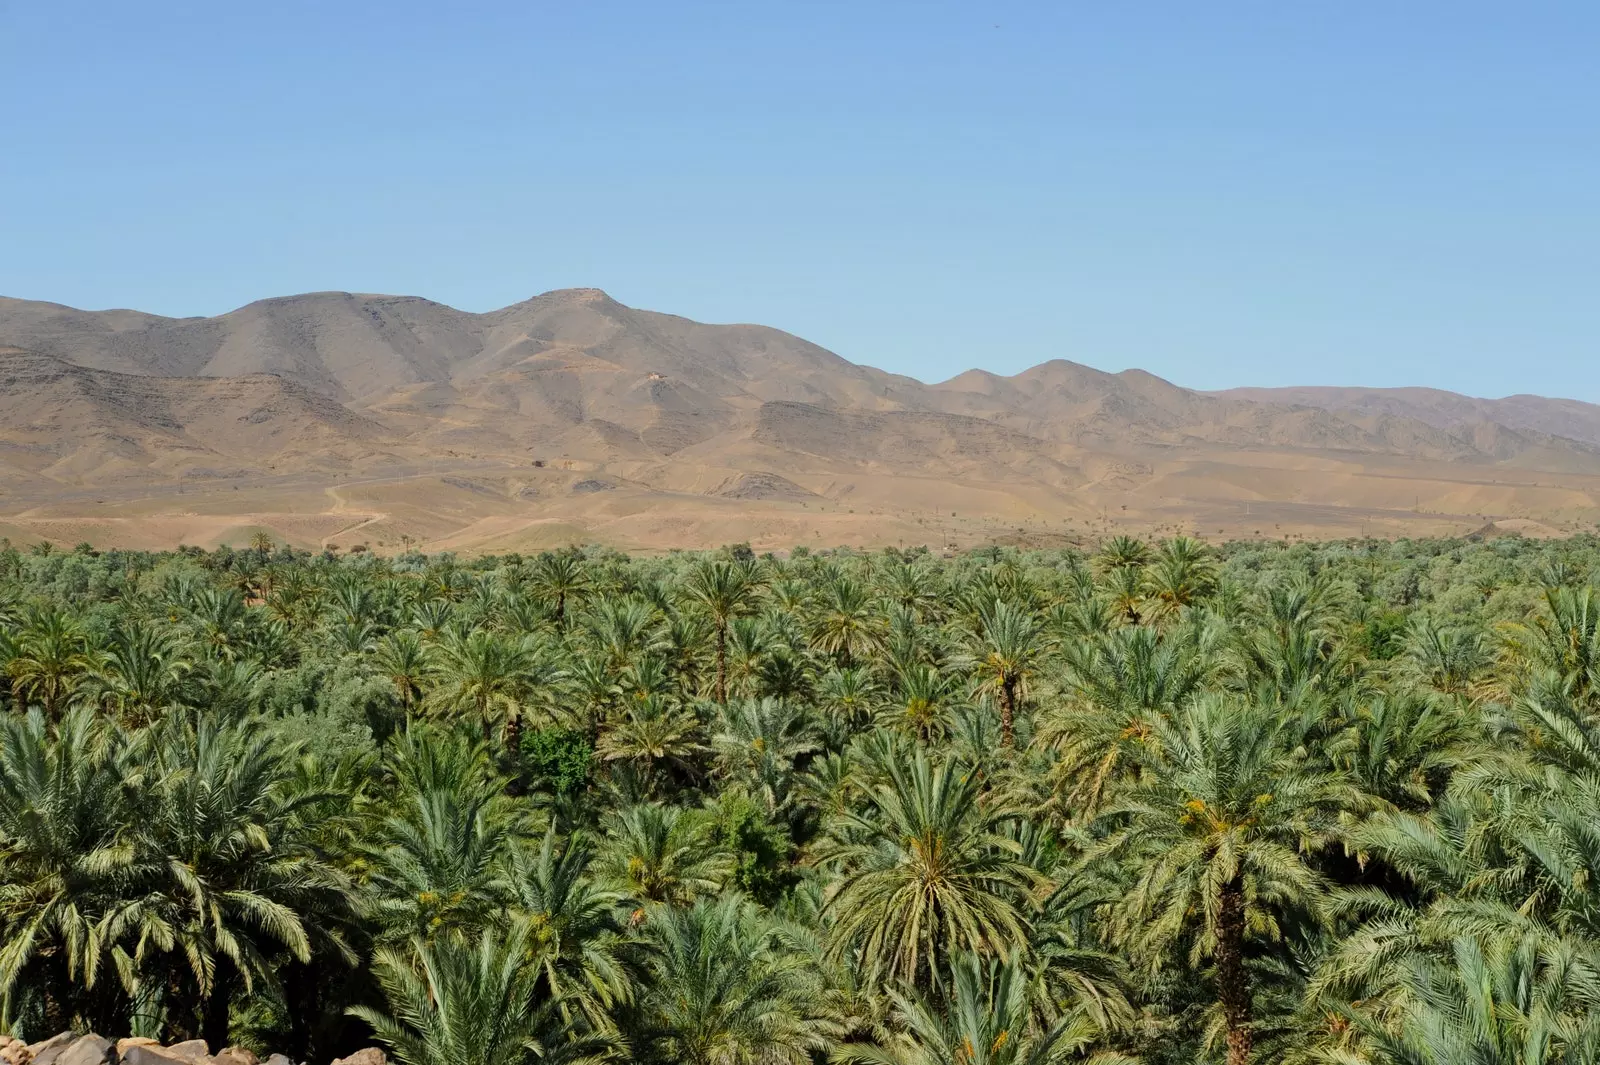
329 388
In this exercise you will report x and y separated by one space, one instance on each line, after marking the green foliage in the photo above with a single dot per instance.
557 759
1311 803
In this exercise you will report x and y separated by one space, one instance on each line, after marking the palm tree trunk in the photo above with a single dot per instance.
513 750
722 665
215 1028
1233 983
1008 711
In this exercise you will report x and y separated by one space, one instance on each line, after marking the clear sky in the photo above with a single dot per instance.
1223 193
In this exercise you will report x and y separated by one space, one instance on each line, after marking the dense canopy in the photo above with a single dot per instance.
1160 802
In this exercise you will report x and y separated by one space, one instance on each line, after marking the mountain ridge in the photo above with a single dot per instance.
331 386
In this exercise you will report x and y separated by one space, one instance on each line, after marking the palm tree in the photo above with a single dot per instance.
51 656
652 734
846 697
846 624
560 576
1403 748
720 991
1447 658
1122 552
438 861
460 1001
923 701
1518 1003
1563 637
1126 594
759 743
923 873
65 852
912 585
219 617
1006 653
231 880
984 1020
725 590
573 933
1183 574
142 670
661 856
1117 685
1297 649
407 662
491 676
622 630
1215 837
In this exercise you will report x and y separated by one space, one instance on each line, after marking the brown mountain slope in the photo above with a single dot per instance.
572 416
76 425
1568 418
358 347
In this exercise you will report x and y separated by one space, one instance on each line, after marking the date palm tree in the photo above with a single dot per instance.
1006 653
660 856
923 873
230 879
492 676
984 1020
658 736
1182 575
50 658
65 852
438 857
1448 658
724 590
1122 552
758 744
1524 1002
1115 687
477 1001
846 625
560 577
1216 838
923 701
405 660
143 670
721 992
573 933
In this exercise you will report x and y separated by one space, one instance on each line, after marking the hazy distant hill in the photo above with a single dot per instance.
338 385
1552 417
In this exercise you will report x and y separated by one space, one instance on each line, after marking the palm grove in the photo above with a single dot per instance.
1158 802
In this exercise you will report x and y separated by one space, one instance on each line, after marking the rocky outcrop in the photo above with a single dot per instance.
70 1048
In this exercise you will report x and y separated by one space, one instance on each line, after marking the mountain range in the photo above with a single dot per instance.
345 418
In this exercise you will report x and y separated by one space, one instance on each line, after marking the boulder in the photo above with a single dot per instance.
194 1050
147 1054
13 1051
278 1059
89 1050
236 1056
45 1053
365 1056
135 1041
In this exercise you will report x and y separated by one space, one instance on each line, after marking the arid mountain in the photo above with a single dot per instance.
571 416
72 424
1537 414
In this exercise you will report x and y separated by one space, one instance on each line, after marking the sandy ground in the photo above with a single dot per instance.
488 507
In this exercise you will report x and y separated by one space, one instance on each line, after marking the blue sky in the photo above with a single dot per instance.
1224 193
